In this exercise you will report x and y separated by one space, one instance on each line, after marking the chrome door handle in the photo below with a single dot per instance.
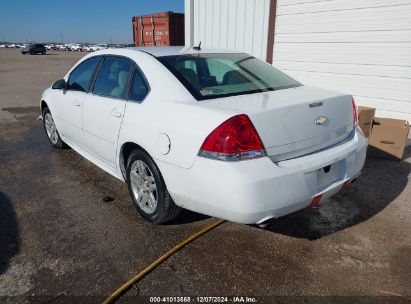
115 114
76 103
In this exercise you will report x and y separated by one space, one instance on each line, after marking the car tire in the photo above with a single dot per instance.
51 130
43 53
148 189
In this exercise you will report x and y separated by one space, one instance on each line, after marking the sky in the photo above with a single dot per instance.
93 21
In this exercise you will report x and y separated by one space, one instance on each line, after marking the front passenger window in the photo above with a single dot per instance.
80 78
112 78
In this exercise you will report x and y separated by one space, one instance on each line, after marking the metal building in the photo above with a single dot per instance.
358 47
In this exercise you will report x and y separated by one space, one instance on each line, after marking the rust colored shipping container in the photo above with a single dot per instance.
162 29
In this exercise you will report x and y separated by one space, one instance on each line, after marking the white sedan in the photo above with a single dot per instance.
217 132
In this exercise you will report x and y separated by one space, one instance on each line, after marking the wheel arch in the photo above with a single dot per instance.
43 105
125 150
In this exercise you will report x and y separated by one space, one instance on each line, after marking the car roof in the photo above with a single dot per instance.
159 51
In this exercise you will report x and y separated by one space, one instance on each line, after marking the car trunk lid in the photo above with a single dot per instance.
296 121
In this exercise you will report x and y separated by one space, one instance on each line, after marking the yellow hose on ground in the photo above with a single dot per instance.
161 259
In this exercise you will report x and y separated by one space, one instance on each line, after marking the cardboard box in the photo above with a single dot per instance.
365 119
388 136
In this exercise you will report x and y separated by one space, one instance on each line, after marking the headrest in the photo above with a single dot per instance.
122 79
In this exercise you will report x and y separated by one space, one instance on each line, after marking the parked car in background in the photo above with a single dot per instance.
220 133
82 48
98 47
49 46
59 47
71 47
33 49
75 47
95 47
102 46
114 46
2 46
87 48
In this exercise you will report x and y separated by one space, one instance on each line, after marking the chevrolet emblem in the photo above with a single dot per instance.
321 120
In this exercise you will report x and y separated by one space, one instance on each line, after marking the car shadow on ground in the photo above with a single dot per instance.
9 233
380 183
187 217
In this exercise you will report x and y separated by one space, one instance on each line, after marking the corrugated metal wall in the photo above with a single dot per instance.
359 47
229 24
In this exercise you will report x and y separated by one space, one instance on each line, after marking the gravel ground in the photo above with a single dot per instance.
58 236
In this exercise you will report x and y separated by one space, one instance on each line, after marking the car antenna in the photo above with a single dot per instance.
197 48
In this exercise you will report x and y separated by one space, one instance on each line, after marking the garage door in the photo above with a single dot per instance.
358 47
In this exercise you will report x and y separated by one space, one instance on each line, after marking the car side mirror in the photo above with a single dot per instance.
59 85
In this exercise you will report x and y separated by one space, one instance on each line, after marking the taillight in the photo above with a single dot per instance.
233 140
354 113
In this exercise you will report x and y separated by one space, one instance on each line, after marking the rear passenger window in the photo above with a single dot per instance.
112 79
139 87
80 78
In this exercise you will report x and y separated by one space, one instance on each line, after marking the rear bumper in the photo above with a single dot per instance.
253 191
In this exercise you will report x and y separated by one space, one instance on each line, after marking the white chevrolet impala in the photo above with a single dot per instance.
217 132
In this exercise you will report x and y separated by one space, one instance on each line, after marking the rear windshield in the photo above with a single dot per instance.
209 76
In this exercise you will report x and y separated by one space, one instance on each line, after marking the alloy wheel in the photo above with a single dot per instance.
143 186
51 128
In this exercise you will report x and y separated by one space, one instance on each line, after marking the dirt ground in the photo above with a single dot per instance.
58 238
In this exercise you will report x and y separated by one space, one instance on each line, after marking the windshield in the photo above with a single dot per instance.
215 75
